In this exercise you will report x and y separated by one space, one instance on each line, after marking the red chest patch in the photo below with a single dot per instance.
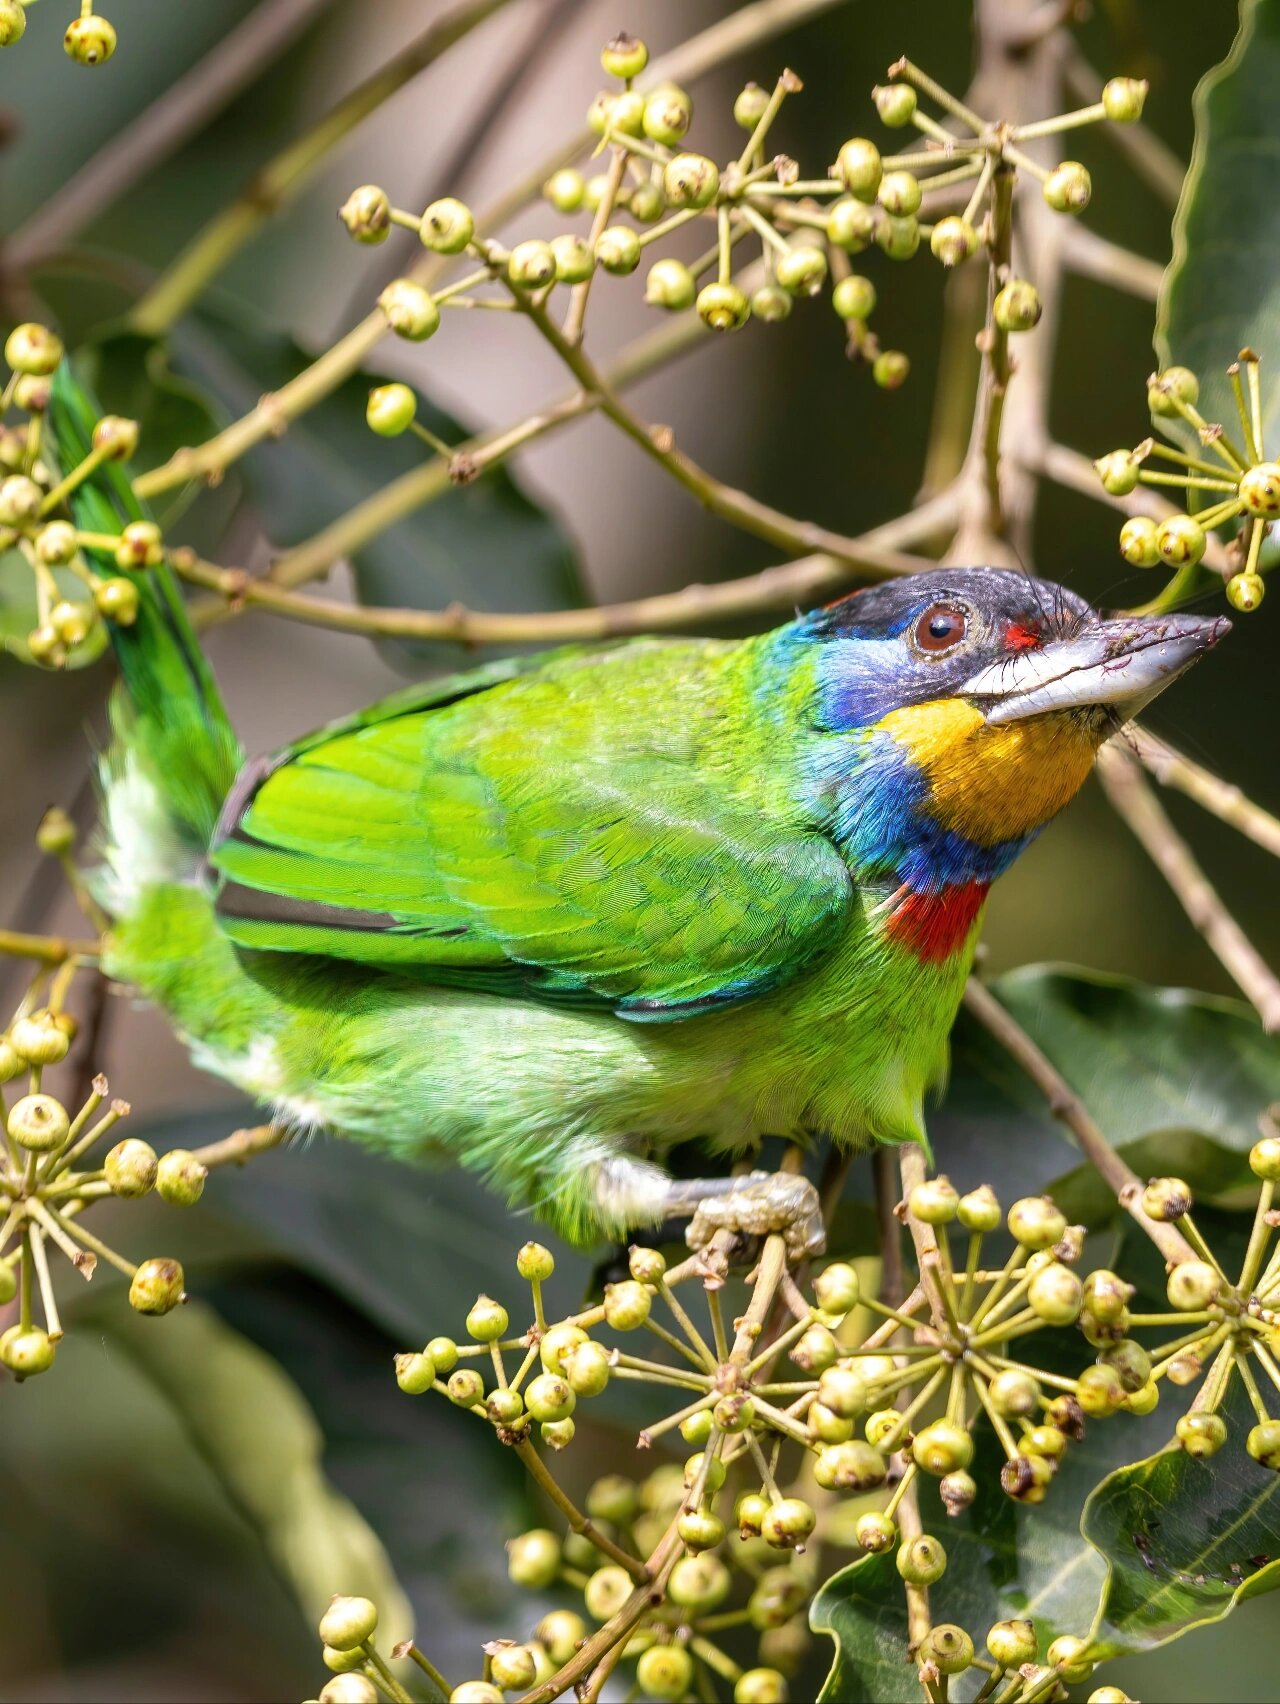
936 925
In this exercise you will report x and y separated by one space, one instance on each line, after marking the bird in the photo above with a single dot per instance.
553 917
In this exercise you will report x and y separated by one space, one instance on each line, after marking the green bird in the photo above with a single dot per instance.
550 918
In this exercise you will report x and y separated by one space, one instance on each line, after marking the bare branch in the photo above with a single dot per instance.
1092 256
1220 798
1139 808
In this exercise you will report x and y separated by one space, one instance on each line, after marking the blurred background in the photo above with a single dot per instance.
134 1563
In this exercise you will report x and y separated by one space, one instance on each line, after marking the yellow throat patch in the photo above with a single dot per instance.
993 783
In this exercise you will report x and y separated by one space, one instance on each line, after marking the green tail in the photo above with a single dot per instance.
174 754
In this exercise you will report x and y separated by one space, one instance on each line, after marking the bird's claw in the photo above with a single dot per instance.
764 1202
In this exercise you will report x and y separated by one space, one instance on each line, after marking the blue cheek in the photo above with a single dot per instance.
860 681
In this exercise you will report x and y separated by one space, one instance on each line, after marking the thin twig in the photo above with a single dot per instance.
1092 256
274 186
1153 160
1067 1106
185 106
1137 805
1220 798
46 949
241 1145
740 30
579 1522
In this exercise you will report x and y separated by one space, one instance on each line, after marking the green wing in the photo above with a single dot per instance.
583 830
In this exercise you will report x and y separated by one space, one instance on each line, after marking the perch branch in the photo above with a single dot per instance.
1220 798
1136 804
1092 256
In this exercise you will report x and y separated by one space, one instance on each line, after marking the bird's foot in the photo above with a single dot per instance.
761 1203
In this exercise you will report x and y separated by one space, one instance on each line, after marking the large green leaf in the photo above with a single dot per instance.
1185 1541
487 544
1221 290
1175 1079
249 1423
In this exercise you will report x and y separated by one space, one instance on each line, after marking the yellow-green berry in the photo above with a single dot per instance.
1259 490
1139 542
116 437
646 203
788 1524
533 1559
13 23
953 240
348 1622
38 1123
1013 1393
1099 1392
1263 1444
444 1352
447 226
410 310
670 284
28 1352
573 258
690 181
854 298
1167 1199
760 1686
1017 306
1245 592
922 1561
1055 1294
1118 472
626 1304
1070 1657
20 500
942 1447
90 40
899 238
391 410
899 192
550 1397
750 106
722 307
1180 541
487 1320
896 104
1068 187
1264 1159
836 1288
625 56
606 1591
587 1369
1012 1643
860 168
1201 1435
852 1466
668 112
130 1168
697 1583
890 369
1123 97
415 1373
465 1387
565 190
33 348
700 1529
664 1673
1036 1223
535 1262
531 265
141 546
979 1210
618 250
367 214
852 225
1193 1286
802 271
157 1288
936 1201
180 1178
1165 390
949 1647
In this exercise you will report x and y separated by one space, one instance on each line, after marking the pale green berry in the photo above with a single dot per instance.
670 284
565 190
625 56
843 1391
1264 1159
942 1447
560 1632
115 437
20 500
697 1428
722 307
1070 1657
899 238
1165 390
444 1352
157 1288
1259 490
1014 1394
130 1168
646 1265
557 1434
836 1288
771 303
1068 187
1118 472
410 310
690 181
180 1178
348 1622
802 271
367 214
1167 1199
700 1530
788 1524
1263 1444
504 1407
533 1559
979 1210
1017 306
487 1320
468 1692
760 1686
557 1343
750 106
1036 1223
668 112
957 1491
953 240
949 1647
465 1387
28 1352
531 265
1193 1285
72 621
1056 1294
587 1369
934 1202
1099 1392
391 410
1180 541
664 1673
1123 97
715 1471
646 203
1245 592
1012 1643
852 225
1138 542
38 1123
512 1667
698 1583
852 1466
626 1304
89 41
860 168
606 1591
415 1373
854 298
1201 1435
875 1532
899 192
141 546
13 23
896 104
574 260
33 348
550 1397
618 250
922 1561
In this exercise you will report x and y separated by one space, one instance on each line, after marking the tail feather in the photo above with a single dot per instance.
174 753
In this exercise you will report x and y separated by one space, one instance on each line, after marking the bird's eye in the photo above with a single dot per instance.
941 627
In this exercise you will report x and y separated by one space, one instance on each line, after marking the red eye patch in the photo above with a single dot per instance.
1019 638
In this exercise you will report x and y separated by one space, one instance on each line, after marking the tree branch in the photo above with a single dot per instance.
1134 801
1067 1106
743 29
280 179
1092 256
1220 798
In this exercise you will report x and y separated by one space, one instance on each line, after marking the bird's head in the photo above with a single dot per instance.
960 709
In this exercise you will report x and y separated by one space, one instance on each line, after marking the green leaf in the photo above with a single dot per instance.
486 545
1221 290
1185 1541
251 1426
1175 1079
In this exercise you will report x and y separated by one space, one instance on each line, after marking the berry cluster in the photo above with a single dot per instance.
89 39
32 517
1240 486
802 232
864 1407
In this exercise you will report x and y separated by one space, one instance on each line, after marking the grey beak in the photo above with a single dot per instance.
1122 663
